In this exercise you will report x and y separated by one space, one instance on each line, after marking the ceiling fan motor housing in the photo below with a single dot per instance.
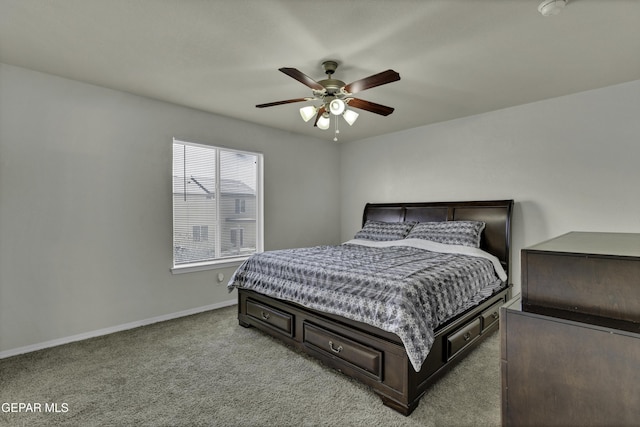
330 67
331 86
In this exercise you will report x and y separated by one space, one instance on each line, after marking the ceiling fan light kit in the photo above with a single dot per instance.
350 116
337 107
334 96
308 112
323 122
551 7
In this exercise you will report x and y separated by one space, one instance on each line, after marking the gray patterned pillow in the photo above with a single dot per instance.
466 233
382 231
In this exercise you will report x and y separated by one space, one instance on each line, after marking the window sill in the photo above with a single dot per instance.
212 265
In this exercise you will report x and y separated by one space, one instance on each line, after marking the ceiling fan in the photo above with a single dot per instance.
334 96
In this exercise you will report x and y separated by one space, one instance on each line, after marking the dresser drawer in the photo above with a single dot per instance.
362 357
276 319
491 315
462 337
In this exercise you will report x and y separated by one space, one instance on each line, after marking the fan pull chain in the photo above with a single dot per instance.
335 138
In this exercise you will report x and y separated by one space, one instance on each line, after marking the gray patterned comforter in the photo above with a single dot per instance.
399 287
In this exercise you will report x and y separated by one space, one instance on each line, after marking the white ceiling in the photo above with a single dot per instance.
455 57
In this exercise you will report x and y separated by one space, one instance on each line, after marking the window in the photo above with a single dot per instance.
237 237
200 233
217 205
240 205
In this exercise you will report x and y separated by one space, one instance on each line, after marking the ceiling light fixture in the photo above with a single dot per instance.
337 107
350 116
308 112
334 96
551 7
324 121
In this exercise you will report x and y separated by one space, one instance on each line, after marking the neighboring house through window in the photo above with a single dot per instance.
200 233
240 206
237 237
217 205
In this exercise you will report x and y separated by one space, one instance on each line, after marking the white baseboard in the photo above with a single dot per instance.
110 330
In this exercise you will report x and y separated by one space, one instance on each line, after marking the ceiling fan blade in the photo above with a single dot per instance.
321 111
302 78
383 110
372 81
286 101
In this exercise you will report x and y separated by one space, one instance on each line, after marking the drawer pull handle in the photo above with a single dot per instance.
495 315
334 349
467 336
264 315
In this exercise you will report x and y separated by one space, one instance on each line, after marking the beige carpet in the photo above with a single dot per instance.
207 370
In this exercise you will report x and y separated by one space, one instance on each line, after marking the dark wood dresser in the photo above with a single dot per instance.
570 346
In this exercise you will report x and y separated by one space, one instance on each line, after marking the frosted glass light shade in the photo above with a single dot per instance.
350 116
308 112
337 107
323 122
551 7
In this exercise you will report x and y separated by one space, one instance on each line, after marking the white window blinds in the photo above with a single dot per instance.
217 198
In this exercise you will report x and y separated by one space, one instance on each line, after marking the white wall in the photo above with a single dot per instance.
570 163
85 190
86 213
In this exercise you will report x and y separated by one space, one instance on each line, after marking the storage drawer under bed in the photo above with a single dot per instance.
465 335
491 315
364 358
462 337
274 318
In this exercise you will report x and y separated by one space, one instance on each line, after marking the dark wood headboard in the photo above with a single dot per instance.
496 214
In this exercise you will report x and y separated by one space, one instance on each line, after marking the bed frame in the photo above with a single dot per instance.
378 358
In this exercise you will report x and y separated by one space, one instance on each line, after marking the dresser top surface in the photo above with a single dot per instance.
596 243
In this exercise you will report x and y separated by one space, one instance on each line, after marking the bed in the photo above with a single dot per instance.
364 307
